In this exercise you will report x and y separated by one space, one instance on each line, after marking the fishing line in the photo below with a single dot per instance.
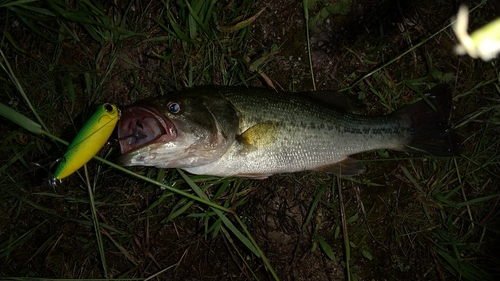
136 135
90 135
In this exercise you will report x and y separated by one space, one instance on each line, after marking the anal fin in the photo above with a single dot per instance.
253 176
346 167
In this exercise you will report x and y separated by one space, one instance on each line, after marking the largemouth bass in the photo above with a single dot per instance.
254 133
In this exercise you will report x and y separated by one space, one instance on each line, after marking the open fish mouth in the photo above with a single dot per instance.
140 126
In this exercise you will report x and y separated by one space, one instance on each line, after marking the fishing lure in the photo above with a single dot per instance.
88 141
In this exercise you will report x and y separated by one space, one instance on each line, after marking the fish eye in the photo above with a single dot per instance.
108 107
174 107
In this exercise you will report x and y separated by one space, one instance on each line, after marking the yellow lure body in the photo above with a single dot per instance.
89 140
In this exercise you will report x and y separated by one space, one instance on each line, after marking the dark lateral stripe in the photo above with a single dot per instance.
375 131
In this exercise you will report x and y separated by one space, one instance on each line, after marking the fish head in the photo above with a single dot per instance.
181 130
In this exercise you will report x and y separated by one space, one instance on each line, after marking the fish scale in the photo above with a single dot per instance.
304 148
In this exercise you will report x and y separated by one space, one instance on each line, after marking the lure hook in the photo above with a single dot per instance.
51 180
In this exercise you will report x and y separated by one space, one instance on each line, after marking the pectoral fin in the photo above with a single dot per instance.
346 167
259 135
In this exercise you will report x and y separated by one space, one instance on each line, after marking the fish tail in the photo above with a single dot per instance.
429 130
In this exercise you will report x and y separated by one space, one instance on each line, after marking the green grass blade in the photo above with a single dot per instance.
38 11
167 187
224 219
248 240
477 200
178 211
305 5
6 67
96 225
71 89
18 156
177 30
194 14
7 247
20 119
16 3
327 249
